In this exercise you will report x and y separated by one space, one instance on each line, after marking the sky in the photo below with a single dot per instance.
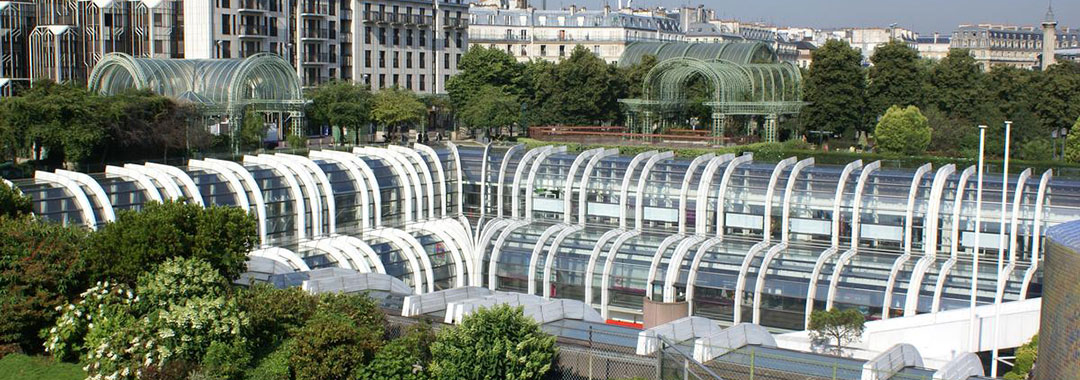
923 16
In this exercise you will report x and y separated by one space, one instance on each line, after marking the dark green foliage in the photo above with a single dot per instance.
957 85
1072 144
1057 103
404 358
122 250
635 76
586 89
253 130
340 104
952 136
490 108
496 343
903 131
1025 360
397 109
227 360
331 346
360 308
63 118
274 313
897 77
835 87
1037 149
13 203
479 67
274 366
842 326
140 124
40 269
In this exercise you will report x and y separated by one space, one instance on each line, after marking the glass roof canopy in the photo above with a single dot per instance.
739 240
221 85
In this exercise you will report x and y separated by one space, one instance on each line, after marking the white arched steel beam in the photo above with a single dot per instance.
484 180
590 270
487 236
526 161
909 219
771 255
282 255
701 204
344 260
363 247
654 266
455 230
838 200
1036 233
194 195
534 258
583 188
766 225
85 207
571 177
605 278
496 251
624 190
408 241
232 181
838 270
740 282
531 181
439 230
147 184
695 265
686 183
319 176
954 244
811 290
460 177
721 193
554 250
786 202
499 191
168 184
364 181
245 178
856 215
671 274
639 203
1018 197
411 157
930 239
95 190
403 180
309 190
439 173
299 202
406 167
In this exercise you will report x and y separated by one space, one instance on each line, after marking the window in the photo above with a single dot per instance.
543 50
396 55
382 80
408 81
367 34
226 50
446 60
225 25
367 58
423 38
397 36
457 39
457 60
159 19
423 80
562 50
408 60
382 36
446 39
408 37
225 3
382 59
422 60
396 77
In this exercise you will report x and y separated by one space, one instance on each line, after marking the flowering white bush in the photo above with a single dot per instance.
104 300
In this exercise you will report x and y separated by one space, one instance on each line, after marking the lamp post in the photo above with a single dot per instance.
973 331
1001 250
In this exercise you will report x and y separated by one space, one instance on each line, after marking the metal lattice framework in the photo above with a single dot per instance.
745 78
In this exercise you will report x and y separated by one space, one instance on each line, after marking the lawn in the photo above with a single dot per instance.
22 367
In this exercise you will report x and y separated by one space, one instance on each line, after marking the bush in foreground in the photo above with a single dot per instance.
496 343
903 131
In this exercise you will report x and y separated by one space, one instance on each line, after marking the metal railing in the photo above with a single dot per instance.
618 135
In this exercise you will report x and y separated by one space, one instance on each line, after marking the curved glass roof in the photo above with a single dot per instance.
229 84
743 52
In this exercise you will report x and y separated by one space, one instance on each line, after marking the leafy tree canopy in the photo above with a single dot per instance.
903 131
495 343
898 77
835 88
957 84
395 107
490 108
842 326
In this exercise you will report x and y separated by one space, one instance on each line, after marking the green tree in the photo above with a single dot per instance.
13 203
137 240
273 313
586 89
490 109
835 87
253 130
1058 96
40 269
341 105
897 77
62 120
1072 144
397 109
634 76
1025 360
332 347
480 67
957 82
495 343
404 358
140 124
903 131
842 326
540 87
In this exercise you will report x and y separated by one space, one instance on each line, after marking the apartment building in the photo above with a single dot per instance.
553 34
1010 45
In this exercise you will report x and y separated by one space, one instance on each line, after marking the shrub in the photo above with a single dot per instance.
178 280
12 202
124 249
358 307
405 358
903 131
227 360
1072 144
104 301
331 347
41 269
274 366
1039 149
496 343
1025 360
273 313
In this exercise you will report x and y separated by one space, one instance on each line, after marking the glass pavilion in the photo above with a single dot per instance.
739 240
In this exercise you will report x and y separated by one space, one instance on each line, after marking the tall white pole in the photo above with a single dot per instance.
973 333
1001 250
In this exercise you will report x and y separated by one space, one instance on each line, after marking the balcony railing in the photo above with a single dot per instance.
316 9
316 58
253 6
372 16
320 33
455 22
497 37
254 31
